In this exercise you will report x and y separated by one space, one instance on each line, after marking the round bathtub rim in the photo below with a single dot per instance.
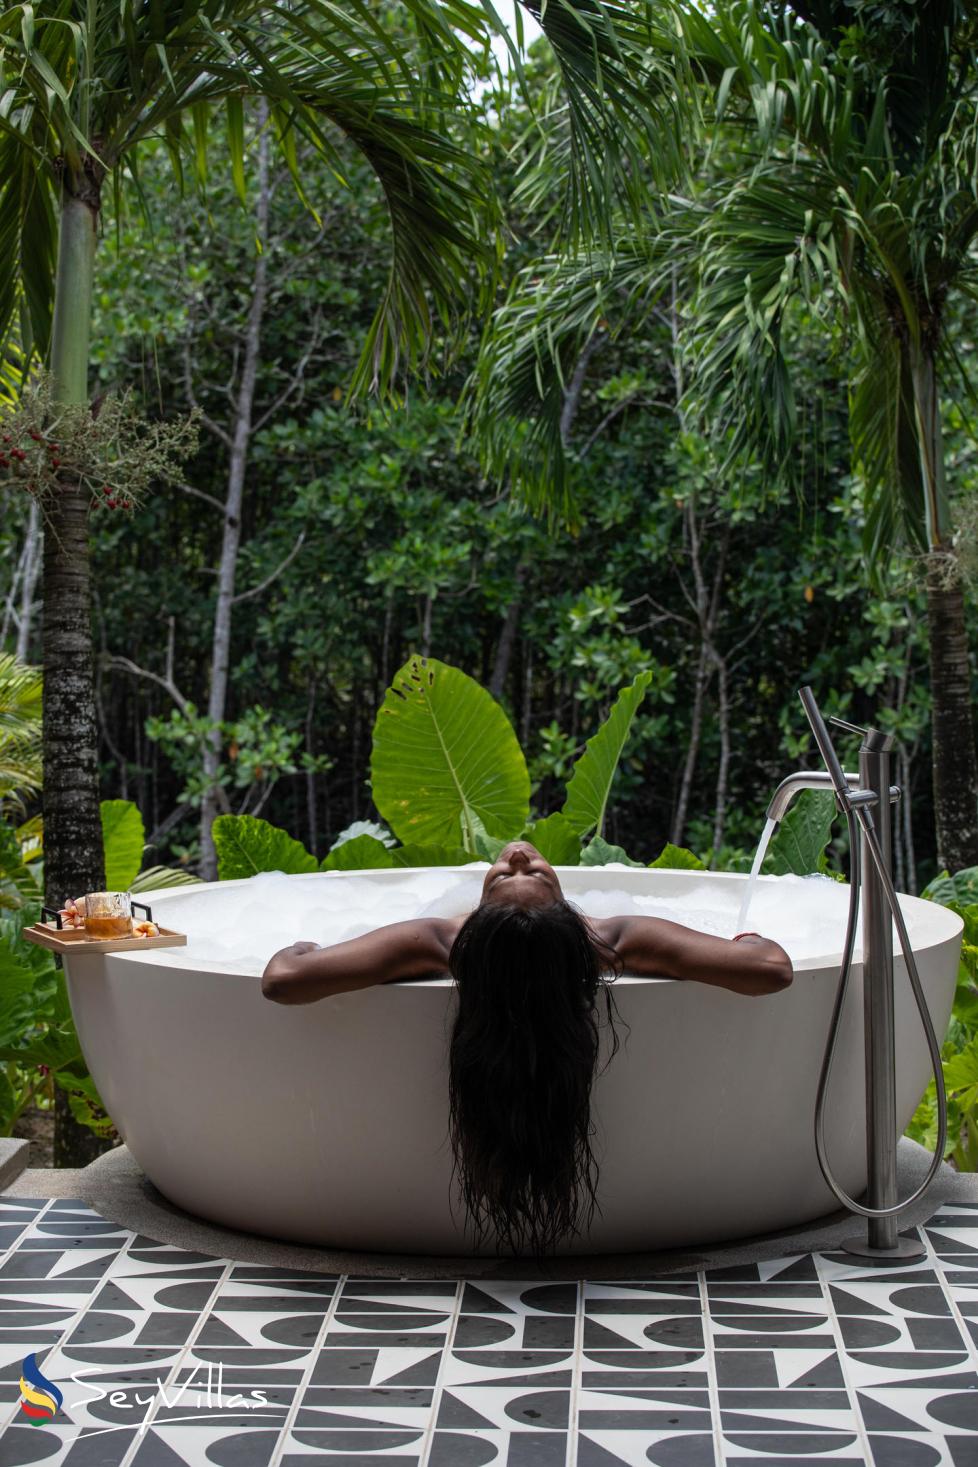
941 926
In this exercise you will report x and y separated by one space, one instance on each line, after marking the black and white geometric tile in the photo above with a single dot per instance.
166 1358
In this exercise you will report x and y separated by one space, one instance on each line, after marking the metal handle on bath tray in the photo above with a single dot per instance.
52 912
142 907
884 1244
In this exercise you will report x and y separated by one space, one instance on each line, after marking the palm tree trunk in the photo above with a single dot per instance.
952 720
955 766
904 780
73 857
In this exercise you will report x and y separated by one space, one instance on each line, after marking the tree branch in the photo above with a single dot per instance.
167 824
294 380
610 416
572 397
282 565
125 664
666 613
201 494
263 798
188 380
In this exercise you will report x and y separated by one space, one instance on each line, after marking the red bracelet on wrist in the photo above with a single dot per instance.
744 934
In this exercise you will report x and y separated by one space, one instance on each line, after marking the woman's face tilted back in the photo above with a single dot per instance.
521 877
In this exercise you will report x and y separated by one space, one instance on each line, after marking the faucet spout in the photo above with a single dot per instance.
804 779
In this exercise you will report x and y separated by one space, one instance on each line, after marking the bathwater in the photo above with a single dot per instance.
239 927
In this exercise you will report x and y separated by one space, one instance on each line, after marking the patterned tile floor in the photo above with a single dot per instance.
167 1358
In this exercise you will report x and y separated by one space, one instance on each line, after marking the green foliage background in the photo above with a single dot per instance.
406 549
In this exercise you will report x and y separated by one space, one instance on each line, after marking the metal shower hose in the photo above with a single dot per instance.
855 882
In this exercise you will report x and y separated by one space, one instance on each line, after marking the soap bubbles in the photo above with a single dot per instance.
239 926
458 898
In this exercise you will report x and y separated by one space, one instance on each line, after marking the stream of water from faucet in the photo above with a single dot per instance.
770 826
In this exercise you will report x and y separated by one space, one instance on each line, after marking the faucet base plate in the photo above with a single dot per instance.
906 1248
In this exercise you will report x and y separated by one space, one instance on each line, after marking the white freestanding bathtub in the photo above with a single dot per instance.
326 1123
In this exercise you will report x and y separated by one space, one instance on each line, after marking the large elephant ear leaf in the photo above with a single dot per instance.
590 783
362 853
432 856
556 840
961 888
803 835
676 858
246 845
445 760
123 837
598 852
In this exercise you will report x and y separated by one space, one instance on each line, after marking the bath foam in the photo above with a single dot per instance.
240 927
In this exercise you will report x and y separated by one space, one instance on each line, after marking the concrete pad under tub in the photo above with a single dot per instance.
117 1189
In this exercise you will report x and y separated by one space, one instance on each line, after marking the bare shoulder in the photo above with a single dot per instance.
608 929
444 931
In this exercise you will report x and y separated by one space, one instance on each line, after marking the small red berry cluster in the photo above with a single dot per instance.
14 457
10 456
112 499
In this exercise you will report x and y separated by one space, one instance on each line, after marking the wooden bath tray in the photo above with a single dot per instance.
73 939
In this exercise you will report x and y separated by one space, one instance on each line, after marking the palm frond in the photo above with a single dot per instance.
19 768
28 248
20 697
89 91
19 884
615 130
515 397
886 453
860 200
30 834
157 878
771 74
768 245
20 728
15 368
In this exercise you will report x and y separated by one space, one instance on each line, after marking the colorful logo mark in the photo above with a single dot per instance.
40 1397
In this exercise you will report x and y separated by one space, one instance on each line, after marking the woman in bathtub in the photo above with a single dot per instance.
524 1046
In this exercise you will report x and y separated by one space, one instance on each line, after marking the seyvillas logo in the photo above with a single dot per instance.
40 1398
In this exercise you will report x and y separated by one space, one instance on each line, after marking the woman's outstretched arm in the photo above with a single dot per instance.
651 946
306 972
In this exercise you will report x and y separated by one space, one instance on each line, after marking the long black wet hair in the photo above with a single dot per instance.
522 1060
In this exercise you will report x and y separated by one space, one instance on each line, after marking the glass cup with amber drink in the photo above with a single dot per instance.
108 914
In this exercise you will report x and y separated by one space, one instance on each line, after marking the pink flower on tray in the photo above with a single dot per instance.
73 912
